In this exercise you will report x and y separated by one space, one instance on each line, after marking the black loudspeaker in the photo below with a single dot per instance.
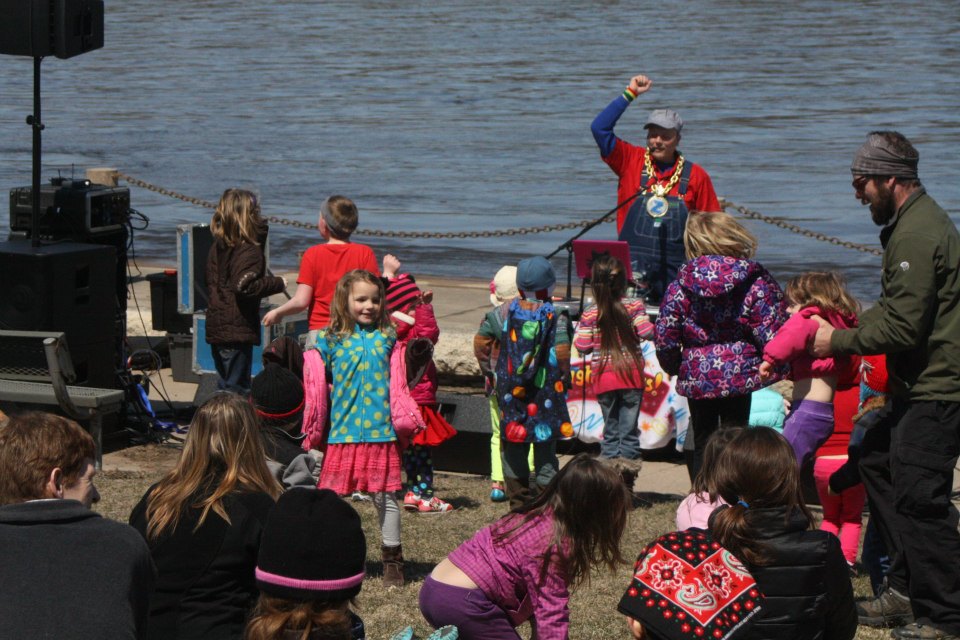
469 450
67 287
37 28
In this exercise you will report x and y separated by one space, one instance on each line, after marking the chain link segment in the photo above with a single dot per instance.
517 231
816 235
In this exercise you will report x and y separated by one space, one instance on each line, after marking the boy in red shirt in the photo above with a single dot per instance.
324 264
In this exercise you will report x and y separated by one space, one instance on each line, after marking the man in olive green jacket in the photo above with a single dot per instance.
907 460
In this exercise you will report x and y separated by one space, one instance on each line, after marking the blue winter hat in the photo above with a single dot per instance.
535 274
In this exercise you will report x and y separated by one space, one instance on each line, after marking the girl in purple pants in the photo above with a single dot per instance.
810 421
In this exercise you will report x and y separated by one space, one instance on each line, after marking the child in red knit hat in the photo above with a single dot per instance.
412 315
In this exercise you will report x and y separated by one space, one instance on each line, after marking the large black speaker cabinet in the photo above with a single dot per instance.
68 287
64 28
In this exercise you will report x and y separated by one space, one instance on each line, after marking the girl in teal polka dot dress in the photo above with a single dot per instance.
362 452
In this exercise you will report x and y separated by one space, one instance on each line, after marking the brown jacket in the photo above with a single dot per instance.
236 282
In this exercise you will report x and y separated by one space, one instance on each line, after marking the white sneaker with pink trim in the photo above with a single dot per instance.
434 505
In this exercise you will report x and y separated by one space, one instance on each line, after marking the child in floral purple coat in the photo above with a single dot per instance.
714 321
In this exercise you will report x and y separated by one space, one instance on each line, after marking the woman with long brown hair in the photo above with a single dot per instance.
203 522
801 572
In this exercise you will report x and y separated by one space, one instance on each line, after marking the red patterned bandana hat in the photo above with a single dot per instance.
686 586
401 291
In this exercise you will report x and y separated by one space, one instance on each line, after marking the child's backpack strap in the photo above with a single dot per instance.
315 393
686 585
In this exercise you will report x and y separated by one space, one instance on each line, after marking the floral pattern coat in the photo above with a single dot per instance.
714 321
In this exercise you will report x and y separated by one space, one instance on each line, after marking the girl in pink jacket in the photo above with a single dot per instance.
811 294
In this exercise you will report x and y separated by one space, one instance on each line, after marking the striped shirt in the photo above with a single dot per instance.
587 341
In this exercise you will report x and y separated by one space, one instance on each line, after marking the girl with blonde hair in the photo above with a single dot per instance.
237 279
714 321
202 523
362 450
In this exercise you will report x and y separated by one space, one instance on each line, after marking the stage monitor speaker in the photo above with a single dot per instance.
77 27
67 287
38 28
25 27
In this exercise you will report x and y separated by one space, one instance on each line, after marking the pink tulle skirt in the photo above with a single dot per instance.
367 466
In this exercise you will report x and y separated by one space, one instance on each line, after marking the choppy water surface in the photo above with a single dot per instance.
465 116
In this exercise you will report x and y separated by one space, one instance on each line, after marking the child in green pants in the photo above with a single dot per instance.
486 348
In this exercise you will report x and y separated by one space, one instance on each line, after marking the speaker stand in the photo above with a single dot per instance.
37 126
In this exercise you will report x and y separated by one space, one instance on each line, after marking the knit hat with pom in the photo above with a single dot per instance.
401 291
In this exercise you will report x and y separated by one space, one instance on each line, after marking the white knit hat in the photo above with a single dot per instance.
504 285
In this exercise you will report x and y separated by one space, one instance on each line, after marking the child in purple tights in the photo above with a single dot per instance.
810 421
521 567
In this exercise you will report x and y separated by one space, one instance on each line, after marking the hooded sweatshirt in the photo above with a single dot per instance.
714 321
790 346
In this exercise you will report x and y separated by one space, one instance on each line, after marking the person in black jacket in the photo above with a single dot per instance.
801 572
203 522
236 281
65 571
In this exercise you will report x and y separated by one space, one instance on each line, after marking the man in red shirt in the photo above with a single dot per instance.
657 190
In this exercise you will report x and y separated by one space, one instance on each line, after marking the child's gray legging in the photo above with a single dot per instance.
388 512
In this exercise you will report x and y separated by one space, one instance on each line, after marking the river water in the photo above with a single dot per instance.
458 116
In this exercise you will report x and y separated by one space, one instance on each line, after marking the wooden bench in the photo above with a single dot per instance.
35 368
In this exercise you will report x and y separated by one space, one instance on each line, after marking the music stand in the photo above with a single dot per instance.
586 251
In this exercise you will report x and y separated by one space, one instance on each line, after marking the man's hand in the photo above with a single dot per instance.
820 347
390 266
640 84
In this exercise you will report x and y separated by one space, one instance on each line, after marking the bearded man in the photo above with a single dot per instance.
658 188
908 458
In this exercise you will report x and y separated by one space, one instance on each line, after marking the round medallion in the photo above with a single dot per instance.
657 206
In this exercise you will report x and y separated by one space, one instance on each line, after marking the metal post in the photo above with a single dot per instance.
37 125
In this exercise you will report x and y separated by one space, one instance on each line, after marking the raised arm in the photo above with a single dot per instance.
425 322
602 126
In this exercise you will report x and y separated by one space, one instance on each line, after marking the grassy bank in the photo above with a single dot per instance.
429 538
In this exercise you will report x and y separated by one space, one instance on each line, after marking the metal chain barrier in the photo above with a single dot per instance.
517 231
816 235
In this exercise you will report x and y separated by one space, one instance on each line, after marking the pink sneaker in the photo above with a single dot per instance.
434 505
411 502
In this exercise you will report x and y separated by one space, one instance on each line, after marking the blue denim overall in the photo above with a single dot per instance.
656 244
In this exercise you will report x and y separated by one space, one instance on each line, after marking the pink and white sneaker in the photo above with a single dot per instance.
411 502
434 505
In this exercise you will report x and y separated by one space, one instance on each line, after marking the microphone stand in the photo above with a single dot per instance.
568 245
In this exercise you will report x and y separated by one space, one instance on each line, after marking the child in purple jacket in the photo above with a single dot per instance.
521 567
714 321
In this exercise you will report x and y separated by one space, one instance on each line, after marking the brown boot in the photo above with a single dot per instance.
392 566
518 492
629 470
